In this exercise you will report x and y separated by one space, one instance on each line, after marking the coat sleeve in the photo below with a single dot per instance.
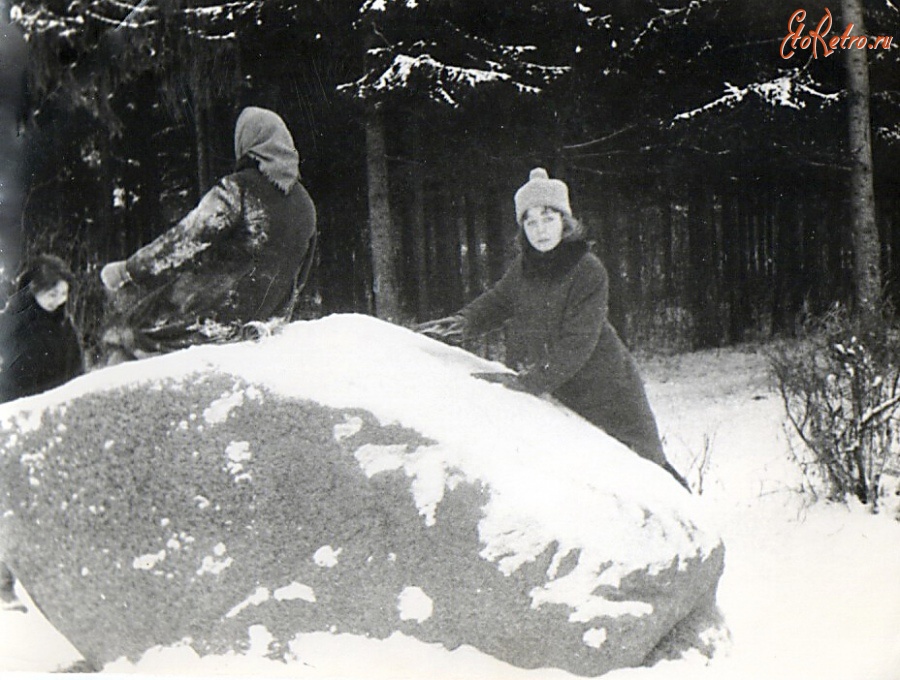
582 324
16 379
16 359
26 370
217 214
497 304
35 363
74 360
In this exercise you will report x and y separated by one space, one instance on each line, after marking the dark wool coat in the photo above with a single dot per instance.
235 258
559 338
40 349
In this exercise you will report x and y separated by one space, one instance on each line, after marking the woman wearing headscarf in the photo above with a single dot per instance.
239 257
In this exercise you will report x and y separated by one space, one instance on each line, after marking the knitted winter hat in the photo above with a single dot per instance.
540 190
263 136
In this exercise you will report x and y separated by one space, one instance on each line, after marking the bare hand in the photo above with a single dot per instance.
114 275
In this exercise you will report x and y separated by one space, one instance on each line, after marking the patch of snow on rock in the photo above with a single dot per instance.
426 467
147 562
350 426
295 591
238 453
218 411
374 458
260 640
257 597
594 637
210 565
414 605
326 556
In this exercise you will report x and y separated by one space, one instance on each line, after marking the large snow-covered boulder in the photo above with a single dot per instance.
344 476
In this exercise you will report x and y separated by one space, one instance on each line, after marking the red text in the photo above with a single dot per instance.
817 39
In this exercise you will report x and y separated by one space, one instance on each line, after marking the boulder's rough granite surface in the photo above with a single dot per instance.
313 482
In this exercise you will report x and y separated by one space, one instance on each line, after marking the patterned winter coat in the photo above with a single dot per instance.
559 338
235 258
40 349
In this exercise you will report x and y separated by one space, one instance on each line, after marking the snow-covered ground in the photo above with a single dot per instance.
811 590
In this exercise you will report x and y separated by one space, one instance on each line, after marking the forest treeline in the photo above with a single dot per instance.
714 174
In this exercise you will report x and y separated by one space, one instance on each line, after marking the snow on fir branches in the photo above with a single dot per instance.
791 91
441 82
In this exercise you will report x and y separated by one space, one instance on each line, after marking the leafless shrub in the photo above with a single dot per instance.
840 386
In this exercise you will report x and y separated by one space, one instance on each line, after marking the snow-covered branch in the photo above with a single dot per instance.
889 133
668 16
595 20
601 140
783 91
446 81
42 20
208 22
117 23
877 411
215 11
473 62
382 5
513 53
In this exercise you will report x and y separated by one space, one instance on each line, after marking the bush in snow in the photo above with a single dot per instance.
840 386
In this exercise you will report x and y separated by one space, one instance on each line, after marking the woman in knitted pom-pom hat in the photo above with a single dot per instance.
554 300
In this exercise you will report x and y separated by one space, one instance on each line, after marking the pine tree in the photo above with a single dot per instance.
431 52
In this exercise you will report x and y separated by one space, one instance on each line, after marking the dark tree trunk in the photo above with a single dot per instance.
420 244
199 104
734 271
418 231
384 243
463 246
497 249
449 245
13 57
787 274
667 246
478 240
149 207
704 268
634 228
436 293
614 255
866 240
104 203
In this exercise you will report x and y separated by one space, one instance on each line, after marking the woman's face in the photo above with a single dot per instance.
543 228
53 298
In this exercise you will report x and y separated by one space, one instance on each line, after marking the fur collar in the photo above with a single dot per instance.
556 262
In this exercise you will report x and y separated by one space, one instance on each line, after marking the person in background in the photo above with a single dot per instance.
39 350
9 601
239 258
553 300
39 347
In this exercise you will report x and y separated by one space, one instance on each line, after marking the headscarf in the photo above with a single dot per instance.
262 135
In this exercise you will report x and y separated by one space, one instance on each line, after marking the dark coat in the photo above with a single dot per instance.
559 338
235 258
40 349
